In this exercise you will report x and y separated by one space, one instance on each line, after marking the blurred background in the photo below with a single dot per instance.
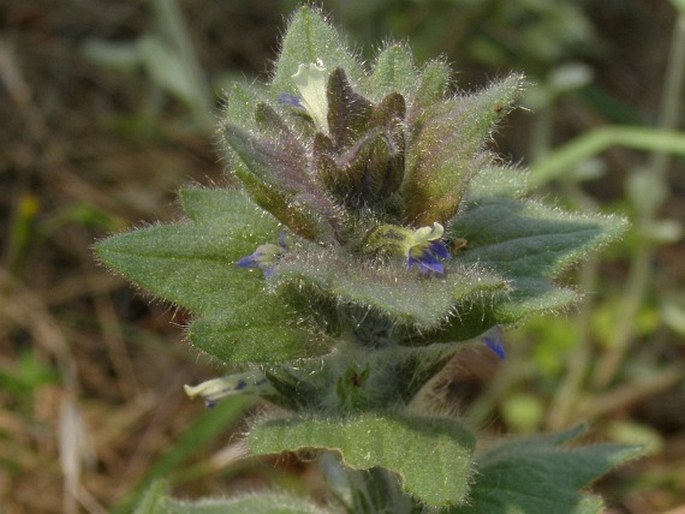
108 108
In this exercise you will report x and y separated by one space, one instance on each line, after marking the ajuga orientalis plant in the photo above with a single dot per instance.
373 236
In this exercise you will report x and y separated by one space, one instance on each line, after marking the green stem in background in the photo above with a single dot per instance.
508 378
623 397
540 138
563 408
566 398
640 274
597 141
171 21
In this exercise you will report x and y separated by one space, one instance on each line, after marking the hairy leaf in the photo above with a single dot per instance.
390 290
528 244
394 73
445 150
277 168
158 501
432 87
192 264
348 112
310 39
432 456
394 375
536 475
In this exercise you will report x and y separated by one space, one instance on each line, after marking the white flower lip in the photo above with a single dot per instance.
310 80
248 383
425 234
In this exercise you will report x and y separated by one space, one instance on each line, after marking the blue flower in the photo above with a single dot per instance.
425 250
290 100
264 257
493 340
428 258
422 248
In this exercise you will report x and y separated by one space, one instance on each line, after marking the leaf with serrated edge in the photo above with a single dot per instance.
192 264
432 456
535 475
528 244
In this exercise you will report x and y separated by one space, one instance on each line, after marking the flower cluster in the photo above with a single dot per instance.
358 165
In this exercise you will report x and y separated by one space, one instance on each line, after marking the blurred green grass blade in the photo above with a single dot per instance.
206 429
21 231
153 498
572 154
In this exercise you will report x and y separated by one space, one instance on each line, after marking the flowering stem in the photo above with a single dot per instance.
171 19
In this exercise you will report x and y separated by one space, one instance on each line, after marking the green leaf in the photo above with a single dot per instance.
192 264
157 501
495 181
528 244
536 475
446 150
277 168
435 467
252 161
239 109
398 371
394 73
310 39
277 163
389 290
257 332
433 85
